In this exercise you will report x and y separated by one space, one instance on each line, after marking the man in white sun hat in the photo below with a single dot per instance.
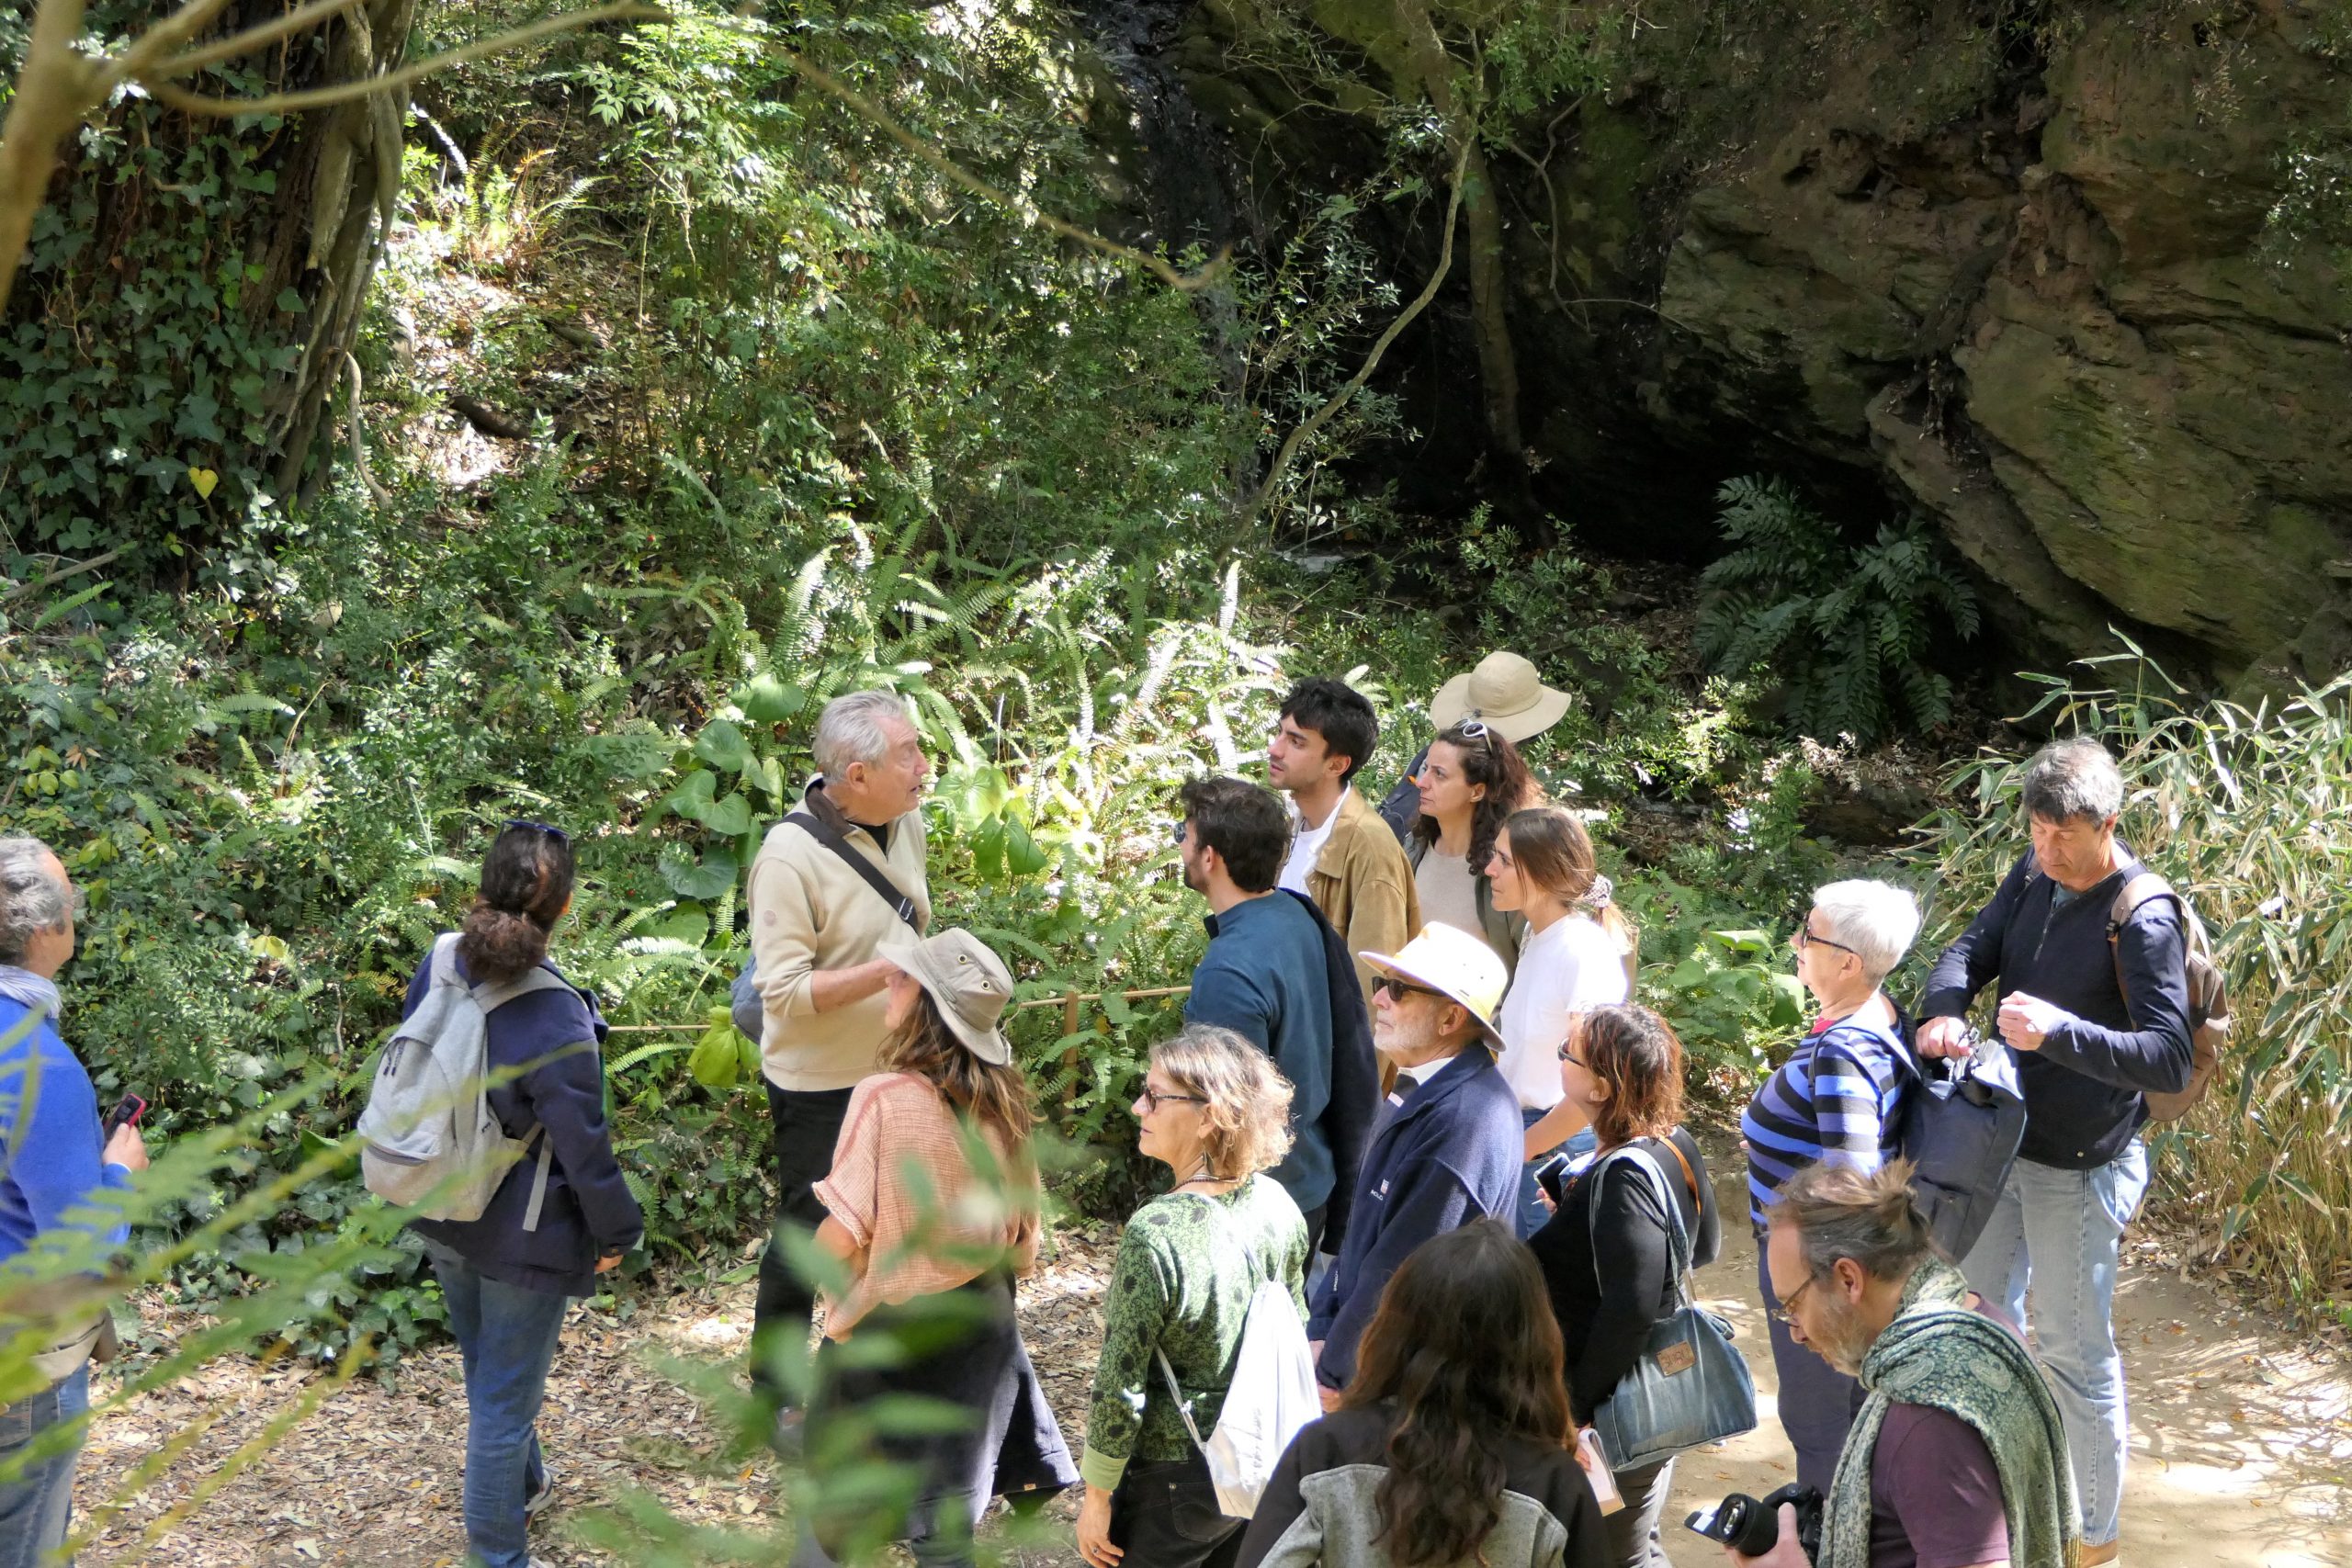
1506 695
1445 1149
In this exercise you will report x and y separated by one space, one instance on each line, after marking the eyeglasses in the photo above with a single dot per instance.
1804 939
1564 1056
1153 1100
1400 990
1785 1311
550 830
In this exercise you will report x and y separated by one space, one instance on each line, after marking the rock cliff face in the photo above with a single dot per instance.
2014 272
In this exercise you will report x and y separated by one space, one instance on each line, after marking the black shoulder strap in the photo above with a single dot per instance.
866 870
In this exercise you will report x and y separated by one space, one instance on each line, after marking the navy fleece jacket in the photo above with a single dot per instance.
2086 1088
1264 977
589 1209
1447 1155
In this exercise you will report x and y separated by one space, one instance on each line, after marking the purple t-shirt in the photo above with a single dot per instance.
1935 1492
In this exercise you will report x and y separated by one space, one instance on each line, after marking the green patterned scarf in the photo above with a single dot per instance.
1940 1353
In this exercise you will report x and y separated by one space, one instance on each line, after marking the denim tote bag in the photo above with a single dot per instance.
1689 1386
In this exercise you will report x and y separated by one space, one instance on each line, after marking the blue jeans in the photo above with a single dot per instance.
1532 1214
506 1336
37 1501
2055 1235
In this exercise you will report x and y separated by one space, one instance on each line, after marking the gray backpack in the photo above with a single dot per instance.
432 1142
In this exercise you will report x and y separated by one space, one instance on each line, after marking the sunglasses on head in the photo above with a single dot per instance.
1476 729
550 828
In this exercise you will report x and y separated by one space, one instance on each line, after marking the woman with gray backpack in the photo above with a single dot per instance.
560 1214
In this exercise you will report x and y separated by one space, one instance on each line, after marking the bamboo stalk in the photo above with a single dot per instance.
1068 1002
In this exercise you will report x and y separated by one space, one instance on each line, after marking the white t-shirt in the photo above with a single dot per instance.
1305 845
1571 965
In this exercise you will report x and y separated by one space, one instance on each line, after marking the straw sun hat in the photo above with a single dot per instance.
1453 964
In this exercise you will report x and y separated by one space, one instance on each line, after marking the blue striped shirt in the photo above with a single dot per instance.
1834 1102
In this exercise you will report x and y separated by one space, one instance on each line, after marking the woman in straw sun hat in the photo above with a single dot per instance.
1504 692
912 1221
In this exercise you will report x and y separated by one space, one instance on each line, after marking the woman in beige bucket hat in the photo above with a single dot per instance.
905 1243
1505 694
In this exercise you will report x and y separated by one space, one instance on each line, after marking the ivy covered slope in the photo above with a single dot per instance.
826 420
189 295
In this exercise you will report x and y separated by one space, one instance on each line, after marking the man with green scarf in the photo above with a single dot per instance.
1957 1459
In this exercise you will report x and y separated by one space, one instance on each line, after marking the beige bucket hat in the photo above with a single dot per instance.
970 985
1454 963
1504 692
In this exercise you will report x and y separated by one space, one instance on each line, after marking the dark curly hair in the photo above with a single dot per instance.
526 887
1488 759
1464 1356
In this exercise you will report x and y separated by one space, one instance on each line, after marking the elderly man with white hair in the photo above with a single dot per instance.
1834 1101
835 883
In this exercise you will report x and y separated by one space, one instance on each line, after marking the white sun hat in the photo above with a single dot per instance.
1453 964
1505 694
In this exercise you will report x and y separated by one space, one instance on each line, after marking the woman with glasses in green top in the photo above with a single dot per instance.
1472 780
1217 1114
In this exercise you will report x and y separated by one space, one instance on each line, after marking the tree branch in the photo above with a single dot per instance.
1339 399
245 42
342 92
1028 211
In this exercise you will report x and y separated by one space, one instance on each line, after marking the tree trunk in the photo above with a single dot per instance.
190 293
1431 74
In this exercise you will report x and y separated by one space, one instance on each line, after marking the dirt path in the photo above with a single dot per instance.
2242 1443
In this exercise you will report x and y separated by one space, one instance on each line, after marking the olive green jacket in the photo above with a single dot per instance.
1363 884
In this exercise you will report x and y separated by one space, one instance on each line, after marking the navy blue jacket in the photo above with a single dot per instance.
2084 1090
1447 1155
589 1210
1264 977
1403 807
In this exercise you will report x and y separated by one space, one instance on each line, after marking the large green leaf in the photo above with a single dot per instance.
767 700
716 1061
722 744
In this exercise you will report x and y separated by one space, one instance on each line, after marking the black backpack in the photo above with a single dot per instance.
1960 1127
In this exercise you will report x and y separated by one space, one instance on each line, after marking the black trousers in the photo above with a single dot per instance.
1164 1515
808 1123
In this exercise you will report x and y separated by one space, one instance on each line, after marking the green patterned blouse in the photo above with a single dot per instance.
1187 1267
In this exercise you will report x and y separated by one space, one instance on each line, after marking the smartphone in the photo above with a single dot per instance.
126 1113
1550 1175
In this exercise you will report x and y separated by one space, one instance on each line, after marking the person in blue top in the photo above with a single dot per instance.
1265 976
1836 1100
54 1173
507 1284
1445 1149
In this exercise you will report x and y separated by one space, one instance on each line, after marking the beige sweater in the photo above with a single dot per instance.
810 912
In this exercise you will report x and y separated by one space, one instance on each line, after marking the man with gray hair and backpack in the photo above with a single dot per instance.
2090 956
835 883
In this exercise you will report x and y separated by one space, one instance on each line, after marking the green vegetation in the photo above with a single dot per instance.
1850 631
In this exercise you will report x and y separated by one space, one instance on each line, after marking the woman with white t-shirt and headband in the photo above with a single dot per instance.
1576 956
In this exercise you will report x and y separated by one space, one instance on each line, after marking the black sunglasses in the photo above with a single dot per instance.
550 828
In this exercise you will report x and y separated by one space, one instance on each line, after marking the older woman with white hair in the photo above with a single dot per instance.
1834 1101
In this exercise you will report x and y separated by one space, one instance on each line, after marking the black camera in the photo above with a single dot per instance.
1752 1527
